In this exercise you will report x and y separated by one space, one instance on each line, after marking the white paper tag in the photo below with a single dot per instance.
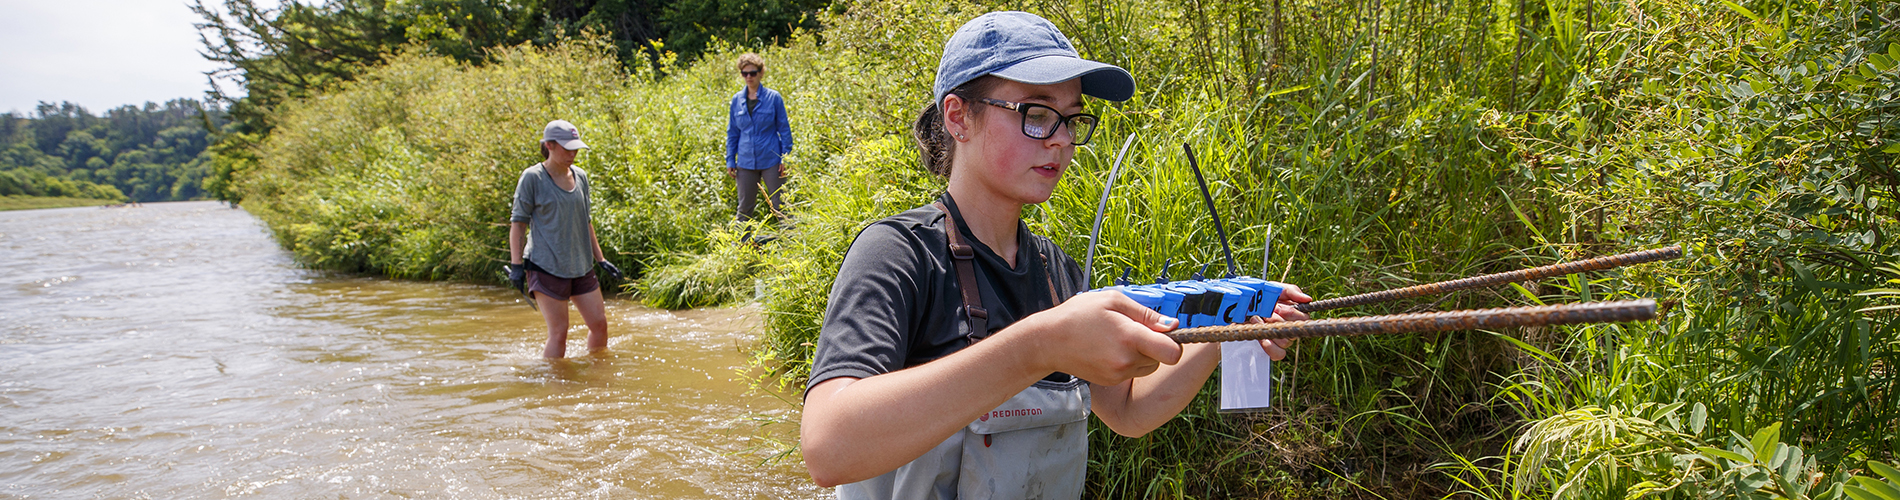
1246 375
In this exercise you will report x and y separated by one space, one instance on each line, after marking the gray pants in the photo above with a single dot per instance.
749 190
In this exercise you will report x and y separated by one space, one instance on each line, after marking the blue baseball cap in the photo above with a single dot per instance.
1023 47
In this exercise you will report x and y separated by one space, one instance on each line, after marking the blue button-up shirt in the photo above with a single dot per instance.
759 138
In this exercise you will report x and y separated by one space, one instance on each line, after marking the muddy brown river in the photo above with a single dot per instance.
172 350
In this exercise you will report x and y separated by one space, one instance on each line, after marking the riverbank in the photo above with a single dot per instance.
23 202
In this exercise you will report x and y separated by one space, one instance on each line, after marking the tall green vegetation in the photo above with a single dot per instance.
407 171
146 153
1381 143
1387 144
1782 183
298 49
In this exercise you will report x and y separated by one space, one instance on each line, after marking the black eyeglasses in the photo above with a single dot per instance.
1040 122
749 73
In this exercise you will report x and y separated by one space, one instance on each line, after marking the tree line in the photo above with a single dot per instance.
153 152
187 149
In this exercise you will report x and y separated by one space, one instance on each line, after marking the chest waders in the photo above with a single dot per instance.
1035 445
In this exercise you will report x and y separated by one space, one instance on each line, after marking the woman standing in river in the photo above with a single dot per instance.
955 359
551 217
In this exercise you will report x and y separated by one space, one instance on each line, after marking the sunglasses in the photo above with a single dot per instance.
1040 122
749 73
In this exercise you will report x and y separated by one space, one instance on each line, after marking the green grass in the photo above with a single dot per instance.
23 202
724 274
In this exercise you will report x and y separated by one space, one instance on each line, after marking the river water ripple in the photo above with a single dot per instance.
174 351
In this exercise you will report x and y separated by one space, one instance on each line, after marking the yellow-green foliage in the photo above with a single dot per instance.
872 180
409 170
350 179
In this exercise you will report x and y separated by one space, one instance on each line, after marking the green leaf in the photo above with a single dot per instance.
1698 417
1884 470
1793 477
1778 457
1883 490
1724 454
1892 147
1527 294
1795 468
1765 438
1742 10
1644 487
1288 90
1880 61
1754 480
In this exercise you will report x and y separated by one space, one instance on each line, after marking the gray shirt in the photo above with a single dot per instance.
559 237
896 303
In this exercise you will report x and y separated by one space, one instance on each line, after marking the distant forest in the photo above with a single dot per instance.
189 149
143 153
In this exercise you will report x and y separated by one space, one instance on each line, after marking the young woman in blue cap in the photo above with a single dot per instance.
552 217
955 360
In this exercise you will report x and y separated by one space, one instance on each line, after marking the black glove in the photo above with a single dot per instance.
517 274
611 270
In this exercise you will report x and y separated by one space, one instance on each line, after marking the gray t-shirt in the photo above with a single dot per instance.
559 238
896 304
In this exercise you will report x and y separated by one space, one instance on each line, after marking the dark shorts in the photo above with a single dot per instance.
561 288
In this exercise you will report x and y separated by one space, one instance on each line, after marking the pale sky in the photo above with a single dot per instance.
99 53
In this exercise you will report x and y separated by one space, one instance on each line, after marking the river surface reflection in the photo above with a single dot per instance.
174 351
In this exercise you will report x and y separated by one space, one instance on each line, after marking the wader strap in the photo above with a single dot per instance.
964 256
1048 274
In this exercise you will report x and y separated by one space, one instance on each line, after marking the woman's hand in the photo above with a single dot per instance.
732 172
1105 338
611 269
1290 296
1283 310
517 274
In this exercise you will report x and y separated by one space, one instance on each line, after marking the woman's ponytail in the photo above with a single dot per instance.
933 142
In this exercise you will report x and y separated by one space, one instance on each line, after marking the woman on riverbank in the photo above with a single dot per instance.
949 363
758 136
552 218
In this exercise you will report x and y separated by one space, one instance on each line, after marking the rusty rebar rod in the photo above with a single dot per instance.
1471 319
1534 273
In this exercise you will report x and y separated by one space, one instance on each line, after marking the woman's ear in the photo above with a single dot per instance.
956 117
